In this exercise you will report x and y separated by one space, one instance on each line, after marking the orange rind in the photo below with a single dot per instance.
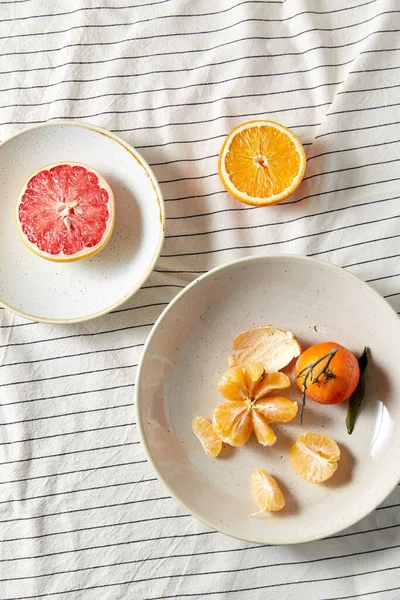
273 349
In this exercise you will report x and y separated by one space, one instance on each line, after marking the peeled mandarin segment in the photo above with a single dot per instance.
276 409
232 384
233 423
266 492
209 439
272 381
314 457
263 431
252 375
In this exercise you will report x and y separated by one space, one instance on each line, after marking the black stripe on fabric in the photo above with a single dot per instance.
353 168
106 526
183 536
182 16
76 510
164 537
192 33
252 114
169 88
231 60
2 385
68 414
42 360
363 595
54 435
239 570
114 312
363 262
181 87
172 272
198 594
214 156
15 2
149 287
99 467
358 129
66 492
180 105
391 295
382 239
80 393
174 124
247 39
339 150
389 237
129 562
357 110
288 221
384 277
267 244
249 208
58 454
76 335
201 84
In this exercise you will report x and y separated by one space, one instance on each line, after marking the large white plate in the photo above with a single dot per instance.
185 356
44 291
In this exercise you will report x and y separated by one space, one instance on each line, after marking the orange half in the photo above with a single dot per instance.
261 163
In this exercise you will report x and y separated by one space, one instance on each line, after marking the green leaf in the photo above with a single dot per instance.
358 395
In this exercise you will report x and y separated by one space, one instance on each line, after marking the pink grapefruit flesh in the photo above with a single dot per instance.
65 212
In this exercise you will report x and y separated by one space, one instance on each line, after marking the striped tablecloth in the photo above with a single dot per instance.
82 514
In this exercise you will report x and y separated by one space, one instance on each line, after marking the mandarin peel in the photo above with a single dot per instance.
273 349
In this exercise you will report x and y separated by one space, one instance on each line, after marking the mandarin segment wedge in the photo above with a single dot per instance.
315 457
233 423
210 441
249 408
266 492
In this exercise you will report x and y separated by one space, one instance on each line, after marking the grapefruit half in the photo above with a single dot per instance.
65 212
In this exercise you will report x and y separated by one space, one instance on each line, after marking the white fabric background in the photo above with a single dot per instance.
81 513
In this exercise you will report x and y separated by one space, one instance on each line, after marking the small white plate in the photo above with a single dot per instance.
185 357
41 290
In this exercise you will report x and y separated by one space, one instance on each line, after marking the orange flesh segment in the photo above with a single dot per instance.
266 492
315 457
209 439
249 408
262 162
232 422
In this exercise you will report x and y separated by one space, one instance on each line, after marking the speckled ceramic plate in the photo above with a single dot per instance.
185 357
65 293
